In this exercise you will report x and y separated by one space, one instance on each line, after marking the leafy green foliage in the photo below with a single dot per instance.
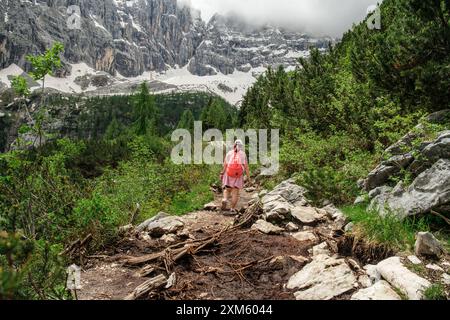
20 86
362 96
30 269
47 62
435 292
328 167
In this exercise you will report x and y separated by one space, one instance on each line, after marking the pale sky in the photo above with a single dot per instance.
330 17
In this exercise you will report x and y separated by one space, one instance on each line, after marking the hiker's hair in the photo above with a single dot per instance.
237 146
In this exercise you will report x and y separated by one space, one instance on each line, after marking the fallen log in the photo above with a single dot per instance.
148 286
145 271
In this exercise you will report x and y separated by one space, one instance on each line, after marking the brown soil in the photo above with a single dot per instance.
221 273
364 253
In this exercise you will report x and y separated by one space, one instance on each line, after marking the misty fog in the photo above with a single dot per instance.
319 17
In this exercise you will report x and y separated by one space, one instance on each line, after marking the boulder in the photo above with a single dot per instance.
161 225
275 207
379 291
333 212
428 245
438 149
431 189
372 273
409 283
144 225
212 206
446 279
321 249
266 227
290 191
365 281
322 279
306 215
304 236
381 174
278 204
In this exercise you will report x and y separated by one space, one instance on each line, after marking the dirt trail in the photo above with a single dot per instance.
208 275
241 264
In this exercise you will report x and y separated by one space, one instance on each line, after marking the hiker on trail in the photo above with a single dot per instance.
232 175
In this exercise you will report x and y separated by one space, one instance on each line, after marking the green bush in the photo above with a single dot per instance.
389 230
328 167
435 292
30 269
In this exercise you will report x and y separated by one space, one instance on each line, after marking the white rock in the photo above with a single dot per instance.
212 206
306 215
339 223
393 271
414 260
428 245
321 249
172 281
305 236
169 238
446 279
292 227
333 212
266 227
365 281
143 226
322 279
379 291
434 267
373 273
165 226
349 227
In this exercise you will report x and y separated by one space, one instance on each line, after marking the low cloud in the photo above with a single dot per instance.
319 17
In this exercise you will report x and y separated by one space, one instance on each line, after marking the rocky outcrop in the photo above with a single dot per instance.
431 189
130 37
160 225
231 44
323 279
287 202
416 177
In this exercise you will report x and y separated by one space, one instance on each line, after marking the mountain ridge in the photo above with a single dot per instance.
127 39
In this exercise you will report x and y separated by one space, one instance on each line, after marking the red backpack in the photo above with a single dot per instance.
234 168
